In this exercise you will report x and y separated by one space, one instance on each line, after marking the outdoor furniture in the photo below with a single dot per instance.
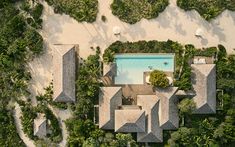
199 61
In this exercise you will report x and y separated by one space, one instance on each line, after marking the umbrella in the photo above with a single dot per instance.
116 30
199 32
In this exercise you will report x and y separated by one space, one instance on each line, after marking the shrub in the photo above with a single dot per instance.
159 79
103 18
133 11
208 9
81 10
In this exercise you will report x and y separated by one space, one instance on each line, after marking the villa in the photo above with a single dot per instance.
128 103
64 73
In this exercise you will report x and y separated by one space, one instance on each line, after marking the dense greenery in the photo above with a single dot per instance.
133 11
8 134
208 9
19 42
81 10
158 79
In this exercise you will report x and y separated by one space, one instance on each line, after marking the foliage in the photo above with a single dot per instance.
8 133
47 98
18 44
133 11
27 118
186 106
87 88
208 9
158 79
80 130
103 18
81 10
123 140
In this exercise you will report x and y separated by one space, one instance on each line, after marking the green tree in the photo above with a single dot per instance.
123 140
159 79
186 106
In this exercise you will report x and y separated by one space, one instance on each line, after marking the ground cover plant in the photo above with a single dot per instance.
81 10
208 9
132 11
19 43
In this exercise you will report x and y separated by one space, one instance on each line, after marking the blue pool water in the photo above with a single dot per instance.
131 67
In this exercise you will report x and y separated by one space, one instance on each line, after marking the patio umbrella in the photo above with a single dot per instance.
199 32
116 30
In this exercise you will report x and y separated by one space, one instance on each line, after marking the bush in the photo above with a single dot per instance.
81 10
159 79
208 9
103 18
133 11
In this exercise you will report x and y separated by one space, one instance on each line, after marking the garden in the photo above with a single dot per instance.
208 9
133 11
80 10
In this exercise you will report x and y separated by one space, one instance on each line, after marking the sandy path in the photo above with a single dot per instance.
19 127
62 115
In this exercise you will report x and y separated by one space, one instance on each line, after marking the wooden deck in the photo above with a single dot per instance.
130 92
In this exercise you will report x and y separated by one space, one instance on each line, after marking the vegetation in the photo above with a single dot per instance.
208 9
186 106
133 11
19 43
81 10
158 79
8 134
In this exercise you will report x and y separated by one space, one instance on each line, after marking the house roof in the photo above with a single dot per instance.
168 111
64 73
204 84
109 99
129 120
40 127
153 133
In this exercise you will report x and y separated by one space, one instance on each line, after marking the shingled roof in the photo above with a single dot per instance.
153 133
129 120
204 84
109 69
168 111
40 126
64 73
109 99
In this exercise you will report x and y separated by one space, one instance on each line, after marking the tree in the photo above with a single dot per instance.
159 79
186 106
123 140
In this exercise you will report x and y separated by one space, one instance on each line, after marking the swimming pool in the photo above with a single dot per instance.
131 67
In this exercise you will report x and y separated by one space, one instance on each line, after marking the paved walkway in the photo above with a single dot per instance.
19 127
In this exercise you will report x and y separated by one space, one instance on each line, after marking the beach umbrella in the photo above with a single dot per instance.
116 30
199 32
